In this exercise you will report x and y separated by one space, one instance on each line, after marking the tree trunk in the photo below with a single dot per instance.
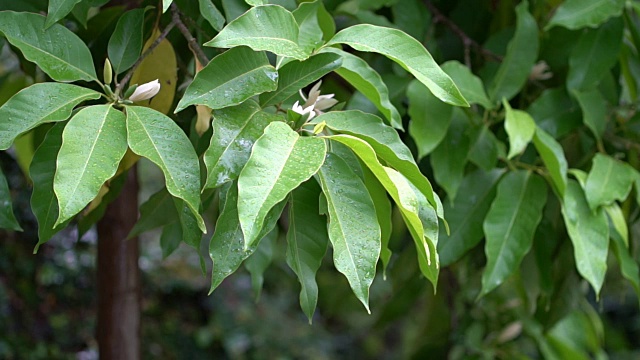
118 329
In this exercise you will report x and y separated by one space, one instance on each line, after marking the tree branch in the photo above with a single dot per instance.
193 43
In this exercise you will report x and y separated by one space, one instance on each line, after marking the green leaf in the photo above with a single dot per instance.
628 265
450 157
407 52
466 215
280 161
156 137
618 223
211 13
594 110
93 143
555 112
227 246
260 260
53 102
7 218
608 180
58 9
470 85
57 51
297 74
510 225
594 55
353 226
236 129
225 80
430 118
577 14
170 238
81 10
165 5
384 140
522 53
382 204
520 128
589 233
270 27
485 148
311 32
408 199
191 234
44 203
125 44
553 157
307 241
366 80
159 210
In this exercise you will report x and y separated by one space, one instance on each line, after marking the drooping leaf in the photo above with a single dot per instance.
93 143
628 265
231 78
450 157
520 127
608 180
594 110
553 157
594 55
159 210
156 137
366 80
125 44
312 30
307 241
466 215
211 13
58 9
555 112
577 14
407 52
510 225
57 51
297 74
236 129
39 104
270 27
470 85
353 227
430 118
7 218
485 148
260 260
191 234
618 223
280 161
589 233
382 204
170 238
44 203
522 52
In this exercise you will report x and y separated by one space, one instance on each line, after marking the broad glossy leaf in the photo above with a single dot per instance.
520 128
353 226
93 143
44 203
297 74
510 225
577 14
38 104
311 32
594 55
553 157
366 80
628 265
211 13
191 234
411 17
236 129
485 148
407 52
170 238
430 118
466 215
406 197
7 218
382 204
470 85
57 51
227 246
270 27
618 222
58 9
231 78
589 233
555 112
125 43
384 140
450 157
159 210
260 260
234 8
307 241
522 53
280 161
594 110
156 137
608 180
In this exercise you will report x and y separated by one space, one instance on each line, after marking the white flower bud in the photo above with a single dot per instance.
146 91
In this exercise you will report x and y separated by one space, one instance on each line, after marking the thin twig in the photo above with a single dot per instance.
154 45
468 42
193 43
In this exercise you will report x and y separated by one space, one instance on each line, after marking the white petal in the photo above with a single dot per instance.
324 104
146 91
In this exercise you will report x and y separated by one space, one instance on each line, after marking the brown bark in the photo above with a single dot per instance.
118 329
